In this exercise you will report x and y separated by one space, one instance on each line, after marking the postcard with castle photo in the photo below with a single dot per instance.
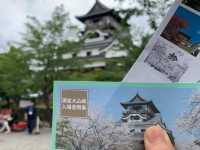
184 30
114 116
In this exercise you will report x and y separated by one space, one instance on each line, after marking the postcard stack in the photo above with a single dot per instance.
172 55
160 89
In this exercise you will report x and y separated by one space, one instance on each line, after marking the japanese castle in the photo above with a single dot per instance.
140 114
100 43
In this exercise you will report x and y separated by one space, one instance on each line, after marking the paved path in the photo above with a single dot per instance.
23 141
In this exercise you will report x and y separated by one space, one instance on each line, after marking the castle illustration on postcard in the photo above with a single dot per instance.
114 116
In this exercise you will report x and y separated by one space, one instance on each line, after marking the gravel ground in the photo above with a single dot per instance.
23 141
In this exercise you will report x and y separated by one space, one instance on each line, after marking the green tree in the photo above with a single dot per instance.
14 74
48 42
152 9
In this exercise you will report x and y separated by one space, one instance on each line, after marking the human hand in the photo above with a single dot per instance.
156 138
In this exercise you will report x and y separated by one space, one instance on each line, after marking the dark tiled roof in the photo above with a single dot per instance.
97 9
138 100
197 142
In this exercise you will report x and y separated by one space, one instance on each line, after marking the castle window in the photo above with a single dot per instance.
136 117
95 20
74 55
137 107
142 130
133 130
93 35
88 53
142 142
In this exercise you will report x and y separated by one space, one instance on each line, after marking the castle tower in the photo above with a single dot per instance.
100 44
100 17
138 109
140 114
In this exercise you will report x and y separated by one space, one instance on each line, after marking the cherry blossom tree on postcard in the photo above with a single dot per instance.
190 121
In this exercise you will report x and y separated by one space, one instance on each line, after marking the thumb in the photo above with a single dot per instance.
155 138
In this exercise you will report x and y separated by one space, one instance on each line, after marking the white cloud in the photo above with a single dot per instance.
11 20
14 14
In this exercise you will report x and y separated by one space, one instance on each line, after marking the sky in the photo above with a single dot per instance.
193 29
14 14
171 102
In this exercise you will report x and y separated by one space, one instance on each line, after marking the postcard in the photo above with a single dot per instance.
172 55
114 116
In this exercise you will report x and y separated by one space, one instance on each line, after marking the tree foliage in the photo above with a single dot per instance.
14 73
154 10
48 42
190 121
96 133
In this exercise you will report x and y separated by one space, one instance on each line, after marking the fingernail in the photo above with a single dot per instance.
155 135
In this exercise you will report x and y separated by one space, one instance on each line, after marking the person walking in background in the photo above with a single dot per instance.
31 116
5 117
14 117
5 125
